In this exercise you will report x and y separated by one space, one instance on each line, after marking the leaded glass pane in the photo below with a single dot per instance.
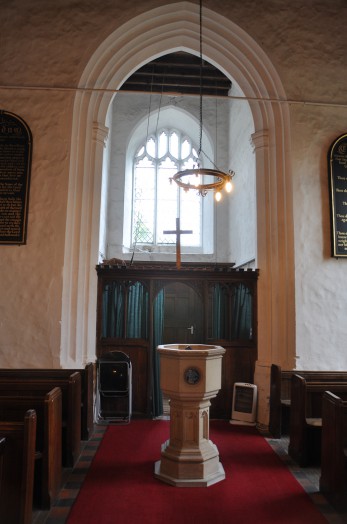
185 149
166 211
151 147
173 148
162 145
140 151
193 180
145 180
191 218
143 225
144 202
190 163
168 166
166 198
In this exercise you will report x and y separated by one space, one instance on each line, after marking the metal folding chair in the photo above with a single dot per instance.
114 388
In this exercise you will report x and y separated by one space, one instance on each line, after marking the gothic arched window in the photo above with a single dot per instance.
157 201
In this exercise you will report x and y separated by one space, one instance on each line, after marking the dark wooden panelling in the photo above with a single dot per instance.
237 366
241 355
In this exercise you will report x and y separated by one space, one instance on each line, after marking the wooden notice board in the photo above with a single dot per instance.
337 165
15 167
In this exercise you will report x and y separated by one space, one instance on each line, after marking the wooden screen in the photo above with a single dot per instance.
126 320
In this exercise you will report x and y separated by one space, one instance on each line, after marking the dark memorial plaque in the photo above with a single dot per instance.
337 163
15 166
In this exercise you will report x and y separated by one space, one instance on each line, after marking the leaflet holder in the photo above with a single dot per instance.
114 388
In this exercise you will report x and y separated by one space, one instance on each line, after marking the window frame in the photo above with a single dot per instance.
192 157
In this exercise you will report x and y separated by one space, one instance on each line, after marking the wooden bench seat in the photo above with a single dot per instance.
17 485
306 418
71 406
87 390
333 479
280 394
2 450
48 446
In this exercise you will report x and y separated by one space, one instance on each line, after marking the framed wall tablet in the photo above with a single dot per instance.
337 166
15 168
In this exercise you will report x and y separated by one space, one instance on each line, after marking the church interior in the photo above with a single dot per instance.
172 174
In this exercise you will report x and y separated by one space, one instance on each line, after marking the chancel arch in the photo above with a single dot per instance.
147 36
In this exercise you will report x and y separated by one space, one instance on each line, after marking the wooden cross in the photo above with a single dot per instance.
178 232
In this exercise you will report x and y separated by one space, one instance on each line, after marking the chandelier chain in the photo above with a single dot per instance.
199 178
201 67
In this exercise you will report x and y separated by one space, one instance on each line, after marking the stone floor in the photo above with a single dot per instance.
72 482
309 479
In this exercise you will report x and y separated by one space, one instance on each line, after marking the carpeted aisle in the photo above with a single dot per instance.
120 486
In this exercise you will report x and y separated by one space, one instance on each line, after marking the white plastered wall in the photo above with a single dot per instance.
243 208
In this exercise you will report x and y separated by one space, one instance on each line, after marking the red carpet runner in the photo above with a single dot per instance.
120 487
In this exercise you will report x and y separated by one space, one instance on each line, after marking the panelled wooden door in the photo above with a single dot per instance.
183 313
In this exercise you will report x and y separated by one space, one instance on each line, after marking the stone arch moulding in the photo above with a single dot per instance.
156 32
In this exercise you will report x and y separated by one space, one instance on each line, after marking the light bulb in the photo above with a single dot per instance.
197 181
218 196
228 187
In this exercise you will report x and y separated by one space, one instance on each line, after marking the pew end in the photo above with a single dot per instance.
18 458
333 479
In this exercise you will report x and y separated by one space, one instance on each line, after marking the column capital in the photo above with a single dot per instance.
100 133
260 139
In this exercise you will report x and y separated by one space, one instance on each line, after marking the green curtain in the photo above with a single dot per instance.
158 326
113 310
239 312
219 312
137 311
241 328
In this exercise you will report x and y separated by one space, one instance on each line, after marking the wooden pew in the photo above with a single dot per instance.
306 418
280 382
16 494
71 406
87 390
280 394
333 479
87 406
48 454
2 449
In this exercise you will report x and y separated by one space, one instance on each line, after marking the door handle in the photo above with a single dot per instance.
191 329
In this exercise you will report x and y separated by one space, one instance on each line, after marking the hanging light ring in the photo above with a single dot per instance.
221 179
